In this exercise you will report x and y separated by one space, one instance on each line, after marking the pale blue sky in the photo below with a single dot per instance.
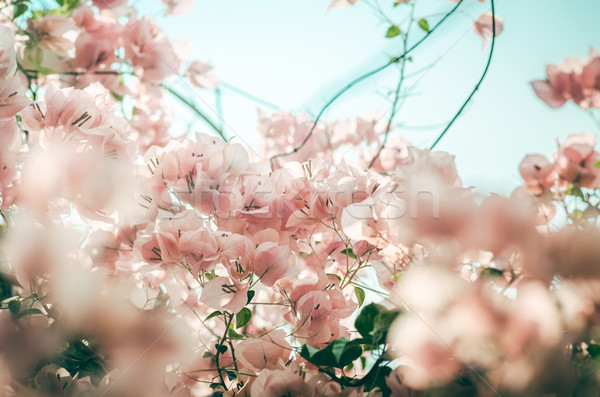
296 54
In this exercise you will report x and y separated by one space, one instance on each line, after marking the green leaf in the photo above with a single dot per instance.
72 4
28 312
81 357
383 321
221 348
381 380
231 375
308 351
243 317
19 9
360 295
234 335
338 353
392 31
490 271
349 252
574 190
213 315
14 306
423 24
207 354
352 351
365 322
250 296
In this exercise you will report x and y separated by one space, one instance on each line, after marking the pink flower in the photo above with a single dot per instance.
342 3
222 293
148 49
576 161
271 262
178 7
271 351
277 383
55 33
8 62
484 26
110 4
537 172
12 98
573 79
92 53
10 142
202 75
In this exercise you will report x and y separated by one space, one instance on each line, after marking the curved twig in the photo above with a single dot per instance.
195 109
485 71
365 76
397 92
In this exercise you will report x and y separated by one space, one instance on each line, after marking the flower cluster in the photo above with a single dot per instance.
574 79
136 263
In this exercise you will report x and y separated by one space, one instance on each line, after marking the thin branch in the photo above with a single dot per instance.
364 77
485 71
249 96
398 88
195 109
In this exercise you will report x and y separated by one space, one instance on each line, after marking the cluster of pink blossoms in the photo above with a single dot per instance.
138 264
574 79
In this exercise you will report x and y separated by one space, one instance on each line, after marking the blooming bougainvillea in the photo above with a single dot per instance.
138 263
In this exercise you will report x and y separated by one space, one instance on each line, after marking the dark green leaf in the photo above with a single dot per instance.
243 317
490 271
365 322
250 296
383 321
338 353
72 4
574 190
19 9
307 352
28 312
381 380
14 306
81 357
213 315
221 348
207 354
423 24
351 352
6 289
360 295
594 349
392 31
234 335
349 252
